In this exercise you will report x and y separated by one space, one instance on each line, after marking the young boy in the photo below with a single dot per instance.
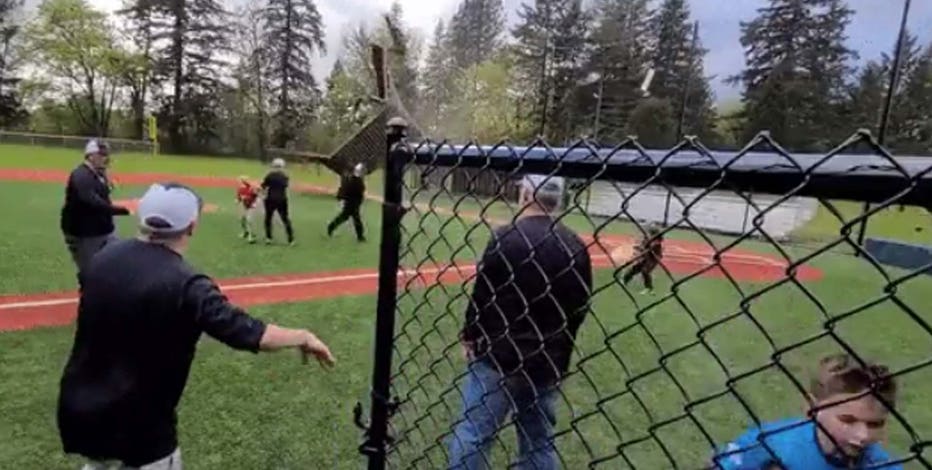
649 253
247 195
843 430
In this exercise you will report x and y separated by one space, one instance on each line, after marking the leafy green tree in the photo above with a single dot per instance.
70 41
486 95
12 112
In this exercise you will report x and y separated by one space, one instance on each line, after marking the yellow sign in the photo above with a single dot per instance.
153 128
154 133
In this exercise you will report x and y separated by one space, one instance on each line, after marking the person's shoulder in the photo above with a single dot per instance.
783 440
876 455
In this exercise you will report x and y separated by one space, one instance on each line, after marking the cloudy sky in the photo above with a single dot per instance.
872 31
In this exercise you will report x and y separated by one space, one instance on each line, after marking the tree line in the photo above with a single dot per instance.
225 81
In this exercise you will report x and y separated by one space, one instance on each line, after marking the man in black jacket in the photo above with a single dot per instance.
87 215
140 316
352 192
530 297
275 186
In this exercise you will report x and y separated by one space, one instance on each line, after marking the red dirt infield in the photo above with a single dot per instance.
27 311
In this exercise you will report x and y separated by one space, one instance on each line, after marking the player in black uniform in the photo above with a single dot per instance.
649 253
275 186
352 192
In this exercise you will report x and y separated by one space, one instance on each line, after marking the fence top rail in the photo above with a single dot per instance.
876 178
73 137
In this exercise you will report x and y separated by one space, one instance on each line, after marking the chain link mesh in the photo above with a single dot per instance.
736 321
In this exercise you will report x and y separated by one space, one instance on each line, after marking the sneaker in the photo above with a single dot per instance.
251 240
291 243
647 292
361 239
268 241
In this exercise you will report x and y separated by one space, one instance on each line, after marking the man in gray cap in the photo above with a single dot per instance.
141 313
87 215
530 297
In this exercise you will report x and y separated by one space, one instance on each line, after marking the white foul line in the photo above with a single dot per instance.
271 284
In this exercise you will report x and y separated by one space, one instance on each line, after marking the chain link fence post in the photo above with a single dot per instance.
381 408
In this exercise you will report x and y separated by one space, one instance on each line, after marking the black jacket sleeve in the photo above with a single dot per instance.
85 188
220 319
489 277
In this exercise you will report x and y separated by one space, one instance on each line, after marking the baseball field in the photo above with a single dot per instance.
650 381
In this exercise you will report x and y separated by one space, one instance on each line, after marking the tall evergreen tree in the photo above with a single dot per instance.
551 44
679 73
189 37
294 32
476 31
622 50
438 81
796 65
402 56
867 97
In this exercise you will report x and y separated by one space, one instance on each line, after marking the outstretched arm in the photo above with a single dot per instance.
231 325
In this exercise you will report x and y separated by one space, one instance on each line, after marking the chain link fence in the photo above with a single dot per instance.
726 340
74 142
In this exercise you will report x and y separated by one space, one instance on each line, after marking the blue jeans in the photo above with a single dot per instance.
487 401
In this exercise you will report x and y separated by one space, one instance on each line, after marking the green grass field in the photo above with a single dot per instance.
269 411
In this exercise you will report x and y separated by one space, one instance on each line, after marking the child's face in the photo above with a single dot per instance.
853 425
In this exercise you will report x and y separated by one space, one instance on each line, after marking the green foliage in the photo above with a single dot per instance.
653 122
71 42
484 99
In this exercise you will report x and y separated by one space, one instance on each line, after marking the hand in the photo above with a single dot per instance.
313 346
468 350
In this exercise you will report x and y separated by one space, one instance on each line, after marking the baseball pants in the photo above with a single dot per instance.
281 208
349 211
172 462
82 249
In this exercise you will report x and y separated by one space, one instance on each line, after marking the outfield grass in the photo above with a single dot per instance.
50 158
251 412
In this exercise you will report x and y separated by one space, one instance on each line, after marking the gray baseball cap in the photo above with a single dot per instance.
168 208
96 146
543 185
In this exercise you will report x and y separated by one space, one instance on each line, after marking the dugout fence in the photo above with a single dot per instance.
656 381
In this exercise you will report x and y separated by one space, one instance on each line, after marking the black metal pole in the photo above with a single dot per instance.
687 88
684 102
888 104
376 439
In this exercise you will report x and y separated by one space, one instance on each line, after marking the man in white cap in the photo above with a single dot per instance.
352 193
140 316
531 294
87 215
275 186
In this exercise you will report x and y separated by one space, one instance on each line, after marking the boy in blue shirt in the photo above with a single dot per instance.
846 423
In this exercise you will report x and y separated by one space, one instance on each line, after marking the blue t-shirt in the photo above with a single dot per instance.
792 443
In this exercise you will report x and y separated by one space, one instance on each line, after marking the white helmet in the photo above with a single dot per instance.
359 169
278 163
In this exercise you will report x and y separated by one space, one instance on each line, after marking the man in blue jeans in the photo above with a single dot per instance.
531 294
